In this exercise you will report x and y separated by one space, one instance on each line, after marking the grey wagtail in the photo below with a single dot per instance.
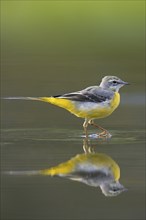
90 103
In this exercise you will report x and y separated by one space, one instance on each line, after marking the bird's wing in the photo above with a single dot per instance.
91 94
92 178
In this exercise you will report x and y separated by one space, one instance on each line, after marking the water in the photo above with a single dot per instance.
45 197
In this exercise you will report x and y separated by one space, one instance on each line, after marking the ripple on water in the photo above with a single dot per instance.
56 134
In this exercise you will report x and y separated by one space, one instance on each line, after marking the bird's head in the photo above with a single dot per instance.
112 82
112 188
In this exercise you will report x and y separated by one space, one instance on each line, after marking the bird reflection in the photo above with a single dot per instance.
91 168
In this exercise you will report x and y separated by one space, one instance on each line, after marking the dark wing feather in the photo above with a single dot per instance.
81 97
90 94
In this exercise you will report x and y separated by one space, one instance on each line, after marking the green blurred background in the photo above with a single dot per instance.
51 47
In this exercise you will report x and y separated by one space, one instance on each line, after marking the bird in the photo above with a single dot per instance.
91 103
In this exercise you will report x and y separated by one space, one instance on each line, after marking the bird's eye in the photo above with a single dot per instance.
114 189
114 82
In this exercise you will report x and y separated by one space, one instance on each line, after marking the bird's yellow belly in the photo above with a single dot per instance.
97 110
94 112
89 110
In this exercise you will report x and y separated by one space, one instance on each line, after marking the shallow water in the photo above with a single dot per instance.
45 197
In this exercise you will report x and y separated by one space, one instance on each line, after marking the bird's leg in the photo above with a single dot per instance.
104 131
85 125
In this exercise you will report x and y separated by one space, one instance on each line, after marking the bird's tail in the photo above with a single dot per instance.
51 100
43 99
61 102
23 98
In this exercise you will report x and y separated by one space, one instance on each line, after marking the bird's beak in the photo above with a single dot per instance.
125 83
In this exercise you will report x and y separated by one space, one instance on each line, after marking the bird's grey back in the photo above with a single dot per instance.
90 94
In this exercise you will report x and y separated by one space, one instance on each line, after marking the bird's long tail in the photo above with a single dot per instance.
23 98
43 99
61 102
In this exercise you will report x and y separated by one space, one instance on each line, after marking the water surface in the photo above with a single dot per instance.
45 197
